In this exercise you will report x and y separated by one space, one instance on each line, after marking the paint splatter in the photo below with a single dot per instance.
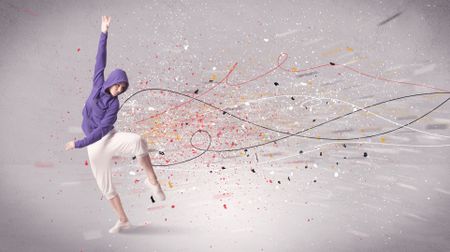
43 164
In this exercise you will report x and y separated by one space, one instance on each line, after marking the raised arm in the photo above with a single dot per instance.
100 60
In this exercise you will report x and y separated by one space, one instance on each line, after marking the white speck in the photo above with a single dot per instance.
272 172
266 40
132 173
151 108
336 174
185 47
214 68
290 108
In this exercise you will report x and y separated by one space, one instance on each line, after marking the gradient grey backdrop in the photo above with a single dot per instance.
44 81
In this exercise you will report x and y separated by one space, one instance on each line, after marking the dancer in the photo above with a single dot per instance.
103 141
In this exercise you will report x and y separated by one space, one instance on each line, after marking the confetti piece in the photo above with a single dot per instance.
86 163
170 184
382 139
225 206
43 164
294 69
173 206
78 50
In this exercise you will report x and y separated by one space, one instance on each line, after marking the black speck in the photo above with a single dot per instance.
320 153
134 157
223 167
210 171
289 179
337 163
224 112
161 153
345 146
276 83
153 200
314 120
331 63
292 98
301 152
279 182
315 181
306 167
253 170
196 91
365 154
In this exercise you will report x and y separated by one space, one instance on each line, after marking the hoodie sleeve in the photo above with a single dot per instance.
100 60
106 124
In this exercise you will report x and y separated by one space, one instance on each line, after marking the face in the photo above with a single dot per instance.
117 89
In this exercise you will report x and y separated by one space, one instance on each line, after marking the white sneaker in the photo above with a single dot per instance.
156 189
119 226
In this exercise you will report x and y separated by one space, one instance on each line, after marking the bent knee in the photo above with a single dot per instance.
110 195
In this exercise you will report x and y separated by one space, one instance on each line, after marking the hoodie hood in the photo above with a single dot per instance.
116 76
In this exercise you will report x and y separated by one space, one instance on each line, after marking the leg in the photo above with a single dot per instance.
117 205
131 144
100 162
144 161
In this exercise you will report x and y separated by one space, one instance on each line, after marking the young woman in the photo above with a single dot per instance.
103 141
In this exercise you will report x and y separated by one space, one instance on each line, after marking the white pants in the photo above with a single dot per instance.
100 154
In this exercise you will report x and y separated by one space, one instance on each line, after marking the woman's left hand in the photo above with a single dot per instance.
70 145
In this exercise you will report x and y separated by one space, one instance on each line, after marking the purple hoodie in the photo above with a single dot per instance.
100 109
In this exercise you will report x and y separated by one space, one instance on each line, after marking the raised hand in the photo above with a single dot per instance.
105 23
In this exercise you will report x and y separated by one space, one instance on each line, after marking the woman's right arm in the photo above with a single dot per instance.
100 61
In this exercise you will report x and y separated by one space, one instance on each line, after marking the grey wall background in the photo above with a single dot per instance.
45 82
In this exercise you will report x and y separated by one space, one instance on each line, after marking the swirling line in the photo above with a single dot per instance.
288 133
